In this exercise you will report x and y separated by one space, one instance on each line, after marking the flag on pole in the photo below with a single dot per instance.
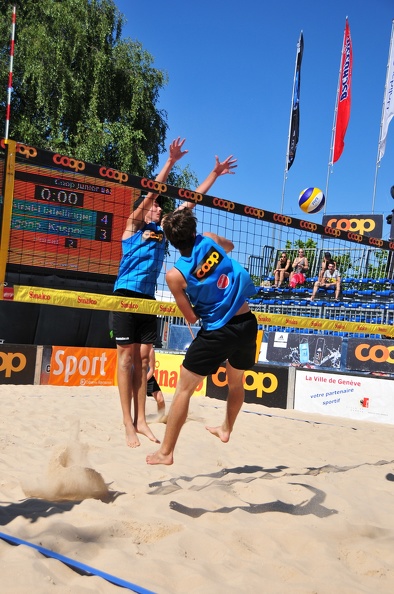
344 94
295 111
388 101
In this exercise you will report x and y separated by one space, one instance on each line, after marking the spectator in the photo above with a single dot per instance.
324 265
282 270
330 277
299 267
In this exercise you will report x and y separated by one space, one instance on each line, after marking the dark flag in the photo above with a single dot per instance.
295 110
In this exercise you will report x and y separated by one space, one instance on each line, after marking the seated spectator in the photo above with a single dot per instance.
330 277
324 265
299 267
282 269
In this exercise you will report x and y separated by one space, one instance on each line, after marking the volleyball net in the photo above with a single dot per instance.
62 221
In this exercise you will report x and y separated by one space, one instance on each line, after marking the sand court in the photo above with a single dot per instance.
294 502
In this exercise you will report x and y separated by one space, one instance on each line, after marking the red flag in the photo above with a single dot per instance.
344 94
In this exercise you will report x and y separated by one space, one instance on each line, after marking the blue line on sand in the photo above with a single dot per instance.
81 566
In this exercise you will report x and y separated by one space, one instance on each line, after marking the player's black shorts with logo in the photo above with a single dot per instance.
133 328
236 341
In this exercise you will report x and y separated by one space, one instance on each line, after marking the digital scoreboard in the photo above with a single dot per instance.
67 221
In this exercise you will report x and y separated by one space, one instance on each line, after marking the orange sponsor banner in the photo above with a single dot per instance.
71 366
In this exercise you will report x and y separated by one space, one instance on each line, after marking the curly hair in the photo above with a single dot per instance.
180 228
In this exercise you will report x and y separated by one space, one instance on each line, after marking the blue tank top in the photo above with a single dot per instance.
142 259
217 286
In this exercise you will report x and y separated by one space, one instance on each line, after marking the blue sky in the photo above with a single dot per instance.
231 67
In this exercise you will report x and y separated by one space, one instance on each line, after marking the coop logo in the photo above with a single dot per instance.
332 231
225 204
68 162
254 381
152 235
189 195
278 218
153 185
254 212
375 241
26 151
355 237
118 176
12 363
207 266
308 226
352 224
377 353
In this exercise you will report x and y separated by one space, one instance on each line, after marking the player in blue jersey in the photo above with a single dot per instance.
210 286
143 249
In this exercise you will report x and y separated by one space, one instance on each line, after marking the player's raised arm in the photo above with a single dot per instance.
220 168
137 216
224 243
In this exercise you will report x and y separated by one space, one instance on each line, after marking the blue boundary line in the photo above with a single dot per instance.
81 566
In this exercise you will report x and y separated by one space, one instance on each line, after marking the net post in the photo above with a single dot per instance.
8 195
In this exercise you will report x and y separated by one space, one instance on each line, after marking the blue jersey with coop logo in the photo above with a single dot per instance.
142 259
217 285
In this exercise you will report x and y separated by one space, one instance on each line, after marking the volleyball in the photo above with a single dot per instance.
311 200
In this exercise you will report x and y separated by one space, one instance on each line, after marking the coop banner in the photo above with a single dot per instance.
368 225
342 395
17 364
368 354
71 366
263 384
304 350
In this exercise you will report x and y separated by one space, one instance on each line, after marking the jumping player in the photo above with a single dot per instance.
143 249
207 284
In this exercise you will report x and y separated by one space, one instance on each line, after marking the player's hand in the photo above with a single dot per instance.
226 166
176 151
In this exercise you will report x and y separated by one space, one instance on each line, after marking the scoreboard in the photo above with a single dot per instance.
67 222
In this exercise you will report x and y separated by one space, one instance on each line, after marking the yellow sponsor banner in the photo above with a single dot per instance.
83 300
320 324
164 308
167 373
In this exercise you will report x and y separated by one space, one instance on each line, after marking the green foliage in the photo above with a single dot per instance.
79 88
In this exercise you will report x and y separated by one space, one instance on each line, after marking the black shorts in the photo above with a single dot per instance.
132 328
152 386
236 341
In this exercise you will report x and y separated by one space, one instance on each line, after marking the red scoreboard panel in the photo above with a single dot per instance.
68 221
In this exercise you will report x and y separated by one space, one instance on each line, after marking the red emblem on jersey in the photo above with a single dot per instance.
223 281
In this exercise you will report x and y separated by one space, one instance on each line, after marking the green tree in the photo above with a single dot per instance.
78 87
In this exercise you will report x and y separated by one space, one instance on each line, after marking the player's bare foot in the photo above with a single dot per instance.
131 436
219 432
144 429
159 458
